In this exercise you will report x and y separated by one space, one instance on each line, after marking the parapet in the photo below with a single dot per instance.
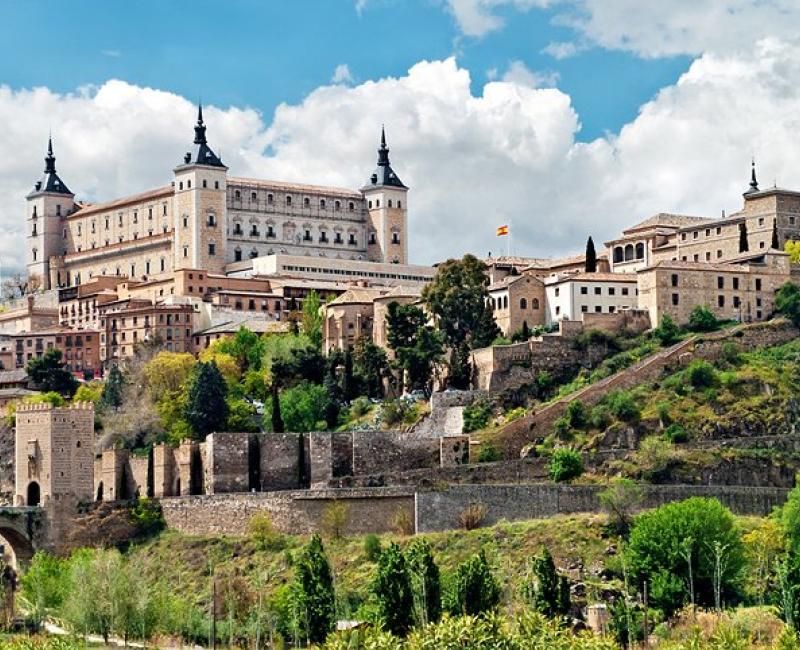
46 406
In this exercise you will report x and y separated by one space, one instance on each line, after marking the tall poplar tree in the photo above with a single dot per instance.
206 408
591 257
315 592
392 589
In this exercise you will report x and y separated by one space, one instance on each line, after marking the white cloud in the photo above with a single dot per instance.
563 50
479 17
508 154
519 73
114 54
342 74
360 6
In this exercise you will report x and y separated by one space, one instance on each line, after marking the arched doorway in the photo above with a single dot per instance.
99 492
34 494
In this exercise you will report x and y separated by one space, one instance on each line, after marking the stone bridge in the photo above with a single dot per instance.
23 530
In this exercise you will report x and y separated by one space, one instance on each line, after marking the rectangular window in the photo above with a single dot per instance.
584 308
720 301
597 291
598 309
674 298
674 279
735 283
624 291
736 302
758 284
720 282
584 291
611 291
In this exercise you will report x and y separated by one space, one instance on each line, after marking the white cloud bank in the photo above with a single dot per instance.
472 162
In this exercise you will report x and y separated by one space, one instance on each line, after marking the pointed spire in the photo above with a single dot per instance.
383 152
753 180
50 159
200 128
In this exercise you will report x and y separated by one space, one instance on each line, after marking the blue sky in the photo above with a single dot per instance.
562 118
261 53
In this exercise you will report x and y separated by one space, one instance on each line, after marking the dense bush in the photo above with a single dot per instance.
474 590
667 331
477 416
787 302
702 319
676 433
702 374
372 547
565 465
623 405
488 453
699 533
147 516
262 532
577 414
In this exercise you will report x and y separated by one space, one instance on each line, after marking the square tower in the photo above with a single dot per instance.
200 207
54 453
47 205
387 210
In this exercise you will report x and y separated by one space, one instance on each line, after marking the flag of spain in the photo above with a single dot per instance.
502 230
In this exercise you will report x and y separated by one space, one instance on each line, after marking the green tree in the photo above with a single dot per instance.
312 318
112 389
702 319
590 265
48 373
425 582
565 465
545 589
458 299
44 586
241 416
474 590
303 407
371 366
416 344
620 500
667 331
672 547
787 302
207 408
392 590
314 591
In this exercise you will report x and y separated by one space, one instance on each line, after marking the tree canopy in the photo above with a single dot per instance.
48 373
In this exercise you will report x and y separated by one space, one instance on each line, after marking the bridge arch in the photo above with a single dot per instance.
16 545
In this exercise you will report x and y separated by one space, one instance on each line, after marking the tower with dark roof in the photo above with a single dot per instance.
48 204
387 209
200 215
753 189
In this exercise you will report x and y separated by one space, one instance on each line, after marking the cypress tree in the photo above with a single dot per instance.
475 589
392 589
743 245
776 244
315 598
591 257
206 408
547 592
112 390
277 419
425 582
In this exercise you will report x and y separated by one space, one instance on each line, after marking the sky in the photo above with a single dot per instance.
561 118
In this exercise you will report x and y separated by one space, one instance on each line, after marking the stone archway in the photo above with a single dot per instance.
34 494
16 545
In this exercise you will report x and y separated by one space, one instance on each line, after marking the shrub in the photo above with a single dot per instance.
702 319
360 407
731 353
147 516
335 518
263 533
562 428
654 455
667 332
624 406
393 412
663 414
425 582
372 547
702 374
620 499
576 414
477 416
600 417
544 589
472 516
392 591
666 541
488 453
474 590
565 465
314 592
544 381
787 302
676 433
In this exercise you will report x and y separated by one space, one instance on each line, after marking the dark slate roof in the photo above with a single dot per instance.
202 155
50 182
384 174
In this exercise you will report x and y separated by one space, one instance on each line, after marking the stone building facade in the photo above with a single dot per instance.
206 219
518 299
54 457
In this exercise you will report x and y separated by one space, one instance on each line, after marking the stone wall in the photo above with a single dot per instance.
384 451
439 509
227 463
281 461
627 320
452 398
292 512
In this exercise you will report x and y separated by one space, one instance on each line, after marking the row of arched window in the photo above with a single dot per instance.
502 303
322 204
628 253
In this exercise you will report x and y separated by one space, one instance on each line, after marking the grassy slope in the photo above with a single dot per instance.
184 562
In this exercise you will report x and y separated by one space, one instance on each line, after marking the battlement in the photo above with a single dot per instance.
46 406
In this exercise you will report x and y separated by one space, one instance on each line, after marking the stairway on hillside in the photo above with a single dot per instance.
441 422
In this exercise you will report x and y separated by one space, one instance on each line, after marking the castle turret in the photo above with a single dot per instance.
47 205
387 207
200 206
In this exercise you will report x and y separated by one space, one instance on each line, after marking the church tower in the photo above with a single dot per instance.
200 207
48 203
387 208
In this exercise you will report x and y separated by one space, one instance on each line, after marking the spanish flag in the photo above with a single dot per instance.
502 230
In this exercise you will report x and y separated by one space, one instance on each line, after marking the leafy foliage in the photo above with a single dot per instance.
702 319
476 416
312 318
547 591
207 408
787 302
667 331
48 373
112 389
391 589
315 596
425 582
664 543
474 589
565 465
